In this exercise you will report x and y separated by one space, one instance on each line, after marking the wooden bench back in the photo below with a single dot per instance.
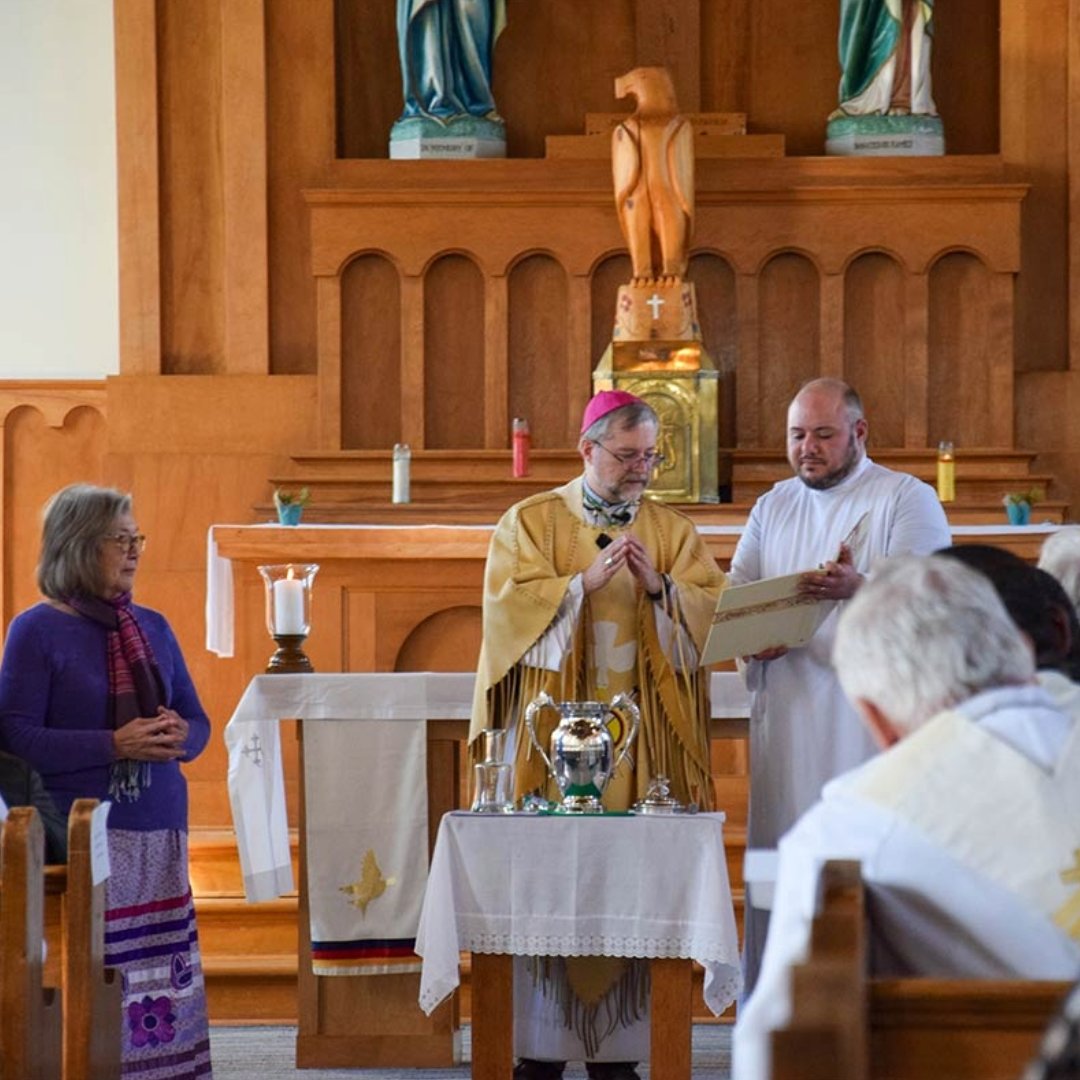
30 1013
93 1015
844 1024
826 1036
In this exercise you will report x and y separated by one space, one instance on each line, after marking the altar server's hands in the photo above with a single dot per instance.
837 580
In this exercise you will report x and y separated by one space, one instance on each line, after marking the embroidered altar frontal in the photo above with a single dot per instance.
366 806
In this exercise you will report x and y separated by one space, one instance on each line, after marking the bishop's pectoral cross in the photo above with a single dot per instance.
1068 915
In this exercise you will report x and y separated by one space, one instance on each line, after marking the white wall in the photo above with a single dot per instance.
58 230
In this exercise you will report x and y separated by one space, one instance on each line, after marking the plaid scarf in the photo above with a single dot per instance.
135 686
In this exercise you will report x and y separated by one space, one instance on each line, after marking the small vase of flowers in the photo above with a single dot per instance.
1018 505
290 505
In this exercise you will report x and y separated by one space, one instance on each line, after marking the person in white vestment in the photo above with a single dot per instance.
966 827
1060 556
1039 606
803 732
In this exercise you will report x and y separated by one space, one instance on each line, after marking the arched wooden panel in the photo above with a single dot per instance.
714 282
453 355
604 288
538 350
192 211
874 343
370 354
789 338
73 453
961 321
449 640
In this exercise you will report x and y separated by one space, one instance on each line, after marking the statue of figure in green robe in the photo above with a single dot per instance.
885 57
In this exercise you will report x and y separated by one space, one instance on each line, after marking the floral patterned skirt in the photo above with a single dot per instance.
150 938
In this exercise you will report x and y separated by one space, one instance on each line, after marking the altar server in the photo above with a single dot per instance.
967 827
590 591
803 732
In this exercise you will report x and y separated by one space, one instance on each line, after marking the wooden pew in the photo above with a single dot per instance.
845 1024
30 1013
826 1036
92 992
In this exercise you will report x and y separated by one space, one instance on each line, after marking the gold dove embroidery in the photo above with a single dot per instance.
1068 915
371 884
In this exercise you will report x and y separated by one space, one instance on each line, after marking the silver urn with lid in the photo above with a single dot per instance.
582 759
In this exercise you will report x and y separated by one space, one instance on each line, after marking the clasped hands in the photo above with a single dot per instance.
837 580
627 550
152 738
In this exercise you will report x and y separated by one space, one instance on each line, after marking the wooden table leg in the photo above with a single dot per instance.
493 1017
671 1025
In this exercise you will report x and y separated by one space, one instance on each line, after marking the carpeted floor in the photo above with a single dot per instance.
269 1053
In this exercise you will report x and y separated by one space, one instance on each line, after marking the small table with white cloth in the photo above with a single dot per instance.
650 886
346 708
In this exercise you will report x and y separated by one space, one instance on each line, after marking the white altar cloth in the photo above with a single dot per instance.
648 886
256 779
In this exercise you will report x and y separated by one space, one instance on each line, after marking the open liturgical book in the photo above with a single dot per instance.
766 614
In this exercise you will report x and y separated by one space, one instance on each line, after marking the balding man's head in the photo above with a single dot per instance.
826 433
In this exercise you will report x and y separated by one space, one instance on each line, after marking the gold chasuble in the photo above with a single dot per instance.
538 546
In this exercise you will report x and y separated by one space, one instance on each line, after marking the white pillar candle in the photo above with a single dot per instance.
402 454
289 606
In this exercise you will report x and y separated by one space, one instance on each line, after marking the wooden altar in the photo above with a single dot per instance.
407 597
344 1021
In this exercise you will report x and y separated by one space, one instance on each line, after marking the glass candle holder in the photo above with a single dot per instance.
288 613
493 778
946 472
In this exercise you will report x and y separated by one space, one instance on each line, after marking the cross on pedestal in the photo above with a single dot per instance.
656 302
253 749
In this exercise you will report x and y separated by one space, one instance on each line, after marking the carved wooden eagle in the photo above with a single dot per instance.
652 159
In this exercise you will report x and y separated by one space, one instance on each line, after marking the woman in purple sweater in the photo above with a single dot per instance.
95 695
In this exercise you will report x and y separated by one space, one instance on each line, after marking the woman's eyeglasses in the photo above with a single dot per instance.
128 541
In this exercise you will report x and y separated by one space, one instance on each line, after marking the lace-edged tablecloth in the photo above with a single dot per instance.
643 886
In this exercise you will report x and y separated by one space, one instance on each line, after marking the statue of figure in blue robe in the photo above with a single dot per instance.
446 47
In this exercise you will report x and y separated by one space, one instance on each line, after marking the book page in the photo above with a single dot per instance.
771 613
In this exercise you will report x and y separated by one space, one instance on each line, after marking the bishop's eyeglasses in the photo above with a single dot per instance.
627 458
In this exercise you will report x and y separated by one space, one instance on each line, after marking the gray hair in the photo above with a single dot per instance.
1060 556
624 418
74 521
925 634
